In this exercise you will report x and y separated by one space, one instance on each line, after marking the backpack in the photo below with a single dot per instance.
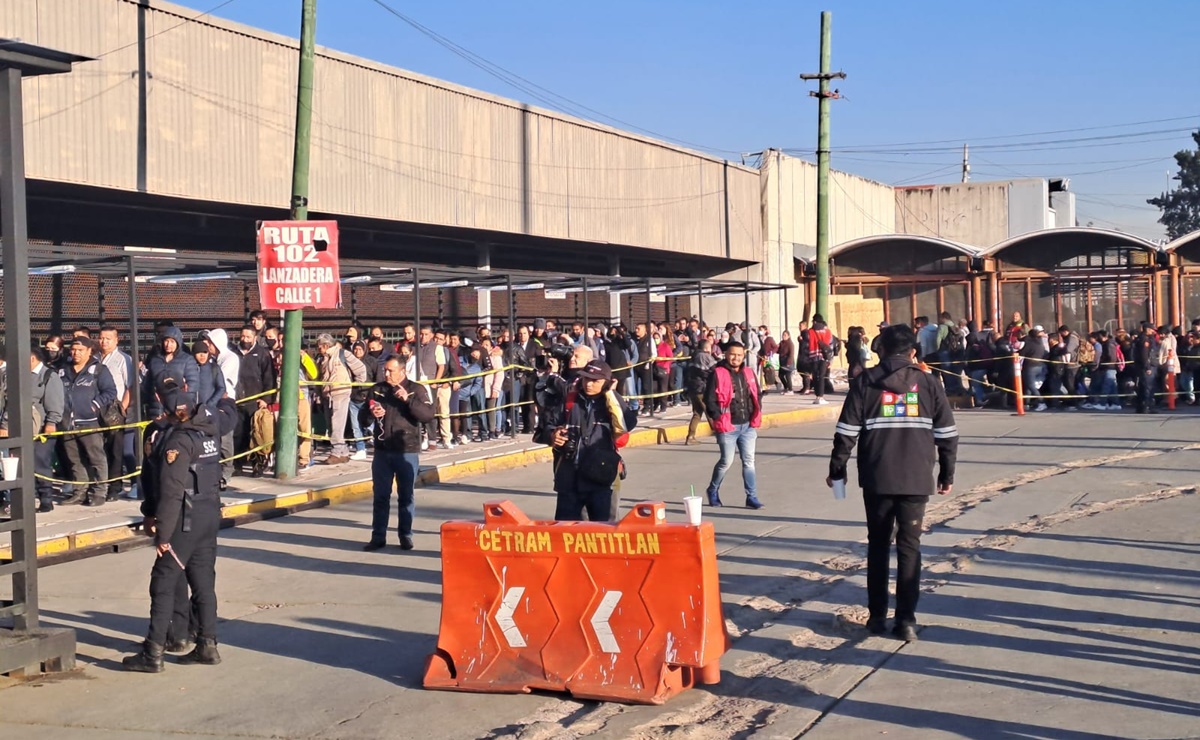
954 343
833 349
1087 353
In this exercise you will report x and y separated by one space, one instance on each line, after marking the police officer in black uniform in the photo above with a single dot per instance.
183 511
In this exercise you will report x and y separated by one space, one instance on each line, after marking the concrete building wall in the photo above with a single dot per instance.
973 213
1029 207
387 143
858 208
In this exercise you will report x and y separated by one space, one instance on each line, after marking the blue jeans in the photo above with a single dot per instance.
355 427
1187 385
741 439
1104 387
677 379
978 388
631 391
387 468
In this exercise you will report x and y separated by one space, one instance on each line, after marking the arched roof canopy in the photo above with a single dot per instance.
900 254
1076 248
1187 247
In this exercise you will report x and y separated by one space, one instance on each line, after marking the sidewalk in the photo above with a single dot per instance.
70 532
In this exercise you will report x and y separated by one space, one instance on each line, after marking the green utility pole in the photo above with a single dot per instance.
823 95
286 442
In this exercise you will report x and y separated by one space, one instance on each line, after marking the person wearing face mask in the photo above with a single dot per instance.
55 357
256 379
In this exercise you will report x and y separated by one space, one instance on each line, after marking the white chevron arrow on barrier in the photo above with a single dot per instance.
504 617
604 633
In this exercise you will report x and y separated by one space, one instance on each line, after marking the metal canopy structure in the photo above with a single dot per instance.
166 267
25 649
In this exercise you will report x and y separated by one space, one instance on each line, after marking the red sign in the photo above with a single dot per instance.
298 265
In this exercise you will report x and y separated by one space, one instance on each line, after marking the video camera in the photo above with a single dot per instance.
560 352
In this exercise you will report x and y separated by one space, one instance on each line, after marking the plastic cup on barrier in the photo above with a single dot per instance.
693 505
839 489
10 467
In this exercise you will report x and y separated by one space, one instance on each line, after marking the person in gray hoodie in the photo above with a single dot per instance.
48 403
169 360
695 380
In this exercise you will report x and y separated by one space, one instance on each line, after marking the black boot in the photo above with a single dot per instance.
74 497
45 504
176 647
205 653
150 660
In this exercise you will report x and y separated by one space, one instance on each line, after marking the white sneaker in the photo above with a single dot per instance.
359 455
1072 408
1113 407
821 402
424 444
1086 406
463 439
1041 407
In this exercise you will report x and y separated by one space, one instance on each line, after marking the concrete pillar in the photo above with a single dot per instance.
483 298
614 301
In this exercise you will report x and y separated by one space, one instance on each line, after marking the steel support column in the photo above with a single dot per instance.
135 353
13 236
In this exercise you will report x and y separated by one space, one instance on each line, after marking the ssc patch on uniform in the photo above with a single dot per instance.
889 411
910 399
901 410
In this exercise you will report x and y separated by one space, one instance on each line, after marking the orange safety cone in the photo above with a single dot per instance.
1170 383
1017 386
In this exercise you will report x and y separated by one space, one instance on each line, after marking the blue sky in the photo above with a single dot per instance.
723 75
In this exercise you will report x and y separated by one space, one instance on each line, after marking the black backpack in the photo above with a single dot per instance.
954 343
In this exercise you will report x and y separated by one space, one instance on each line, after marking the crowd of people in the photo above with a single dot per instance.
483 386
84 387
1061 369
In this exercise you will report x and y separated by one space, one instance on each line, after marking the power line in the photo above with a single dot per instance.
961 139
1083 142
548 97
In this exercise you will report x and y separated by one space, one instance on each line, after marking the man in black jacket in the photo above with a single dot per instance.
398 407
88 390
644 372
256 378
900 414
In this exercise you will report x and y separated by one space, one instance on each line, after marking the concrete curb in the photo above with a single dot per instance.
115 538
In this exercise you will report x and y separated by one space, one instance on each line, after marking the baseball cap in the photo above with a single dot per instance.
884 324
1038 328
596 370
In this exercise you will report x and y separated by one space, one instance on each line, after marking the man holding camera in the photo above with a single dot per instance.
398 407
595 422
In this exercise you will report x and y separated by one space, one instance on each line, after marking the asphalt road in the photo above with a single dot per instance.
1061 580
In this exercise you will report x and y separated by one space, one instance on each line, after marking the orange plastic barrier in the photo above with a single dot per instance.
629 612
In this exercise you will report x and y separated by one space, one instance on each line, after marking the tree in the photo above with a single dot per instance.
1181 207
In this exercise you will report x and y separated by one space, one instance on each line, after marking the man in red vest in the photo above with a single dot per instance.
734 407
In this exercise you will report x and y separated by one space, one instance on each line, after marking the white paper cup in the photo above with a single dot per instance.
839 489
10 467
692 505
